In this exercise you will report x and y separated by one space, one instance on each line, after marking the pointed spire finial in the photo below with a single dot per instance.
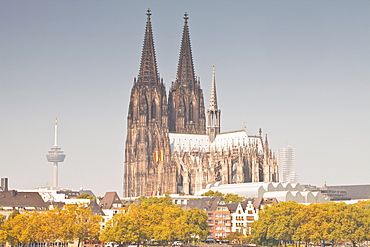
213 99
186 17
148 13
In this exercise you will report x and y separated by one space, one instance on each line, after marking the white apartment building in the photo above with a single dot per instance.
286 165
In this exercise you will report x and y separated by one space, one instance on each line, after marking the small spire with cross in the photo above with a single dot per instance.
186 17
148 13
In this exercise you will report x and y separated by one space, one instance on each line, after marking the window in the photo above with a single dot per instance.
222 216
222 209
153 110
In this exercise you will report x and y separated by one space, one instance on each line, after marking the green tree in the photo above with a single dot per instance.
346 222
193 225
227 198
147 201
212 193
13 214
166 226
134 225
312 224
232 198
121 228
235 237
86 196
276 224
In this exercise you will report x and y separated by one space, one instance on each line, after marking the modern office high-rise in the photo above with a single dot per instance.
286 165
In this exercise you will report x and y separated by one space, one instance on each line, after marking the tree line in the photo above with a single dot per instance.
156 218
226 197
152 219
72 222
290 222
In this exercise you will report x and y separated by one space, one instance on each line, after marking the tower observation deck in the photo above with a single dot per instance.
55 155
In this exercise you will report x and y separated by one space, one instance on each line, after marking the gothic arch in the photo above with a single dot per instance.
143 108
153 110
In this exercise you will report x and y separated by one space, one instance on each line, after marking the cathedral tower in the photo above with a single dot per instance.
168 147
213 113
147 153
185 100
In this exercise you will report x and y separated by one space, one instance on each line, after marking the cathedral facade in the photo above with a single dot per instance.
173 144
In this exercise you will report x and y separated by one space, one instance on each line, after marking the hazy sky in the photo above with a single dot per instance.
300 70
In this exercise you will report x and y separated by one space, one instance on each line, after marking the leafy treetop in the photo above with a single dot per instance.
227 198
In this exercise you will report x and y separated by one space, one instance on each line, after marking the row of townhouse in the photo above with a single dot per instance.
224 218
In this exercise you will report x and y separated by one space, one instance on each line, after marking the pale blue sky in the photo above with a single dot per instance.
300 70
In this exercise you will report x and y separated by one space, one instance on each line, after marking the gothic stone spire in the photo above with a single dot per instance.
185 69
185 100
148 66
213 113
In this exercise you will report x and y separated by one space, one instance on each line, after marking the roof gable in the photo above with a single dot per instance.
109 200
17 199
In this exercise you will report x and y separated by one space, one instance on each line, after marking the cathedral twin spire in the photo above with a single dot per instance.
185 69
186 111
185 99
150 164
148 66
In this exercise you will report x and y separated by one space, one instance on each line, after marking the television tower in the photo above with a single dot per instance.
55 155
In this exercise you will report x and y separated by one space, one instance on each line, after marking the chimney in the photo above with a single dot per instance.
4 184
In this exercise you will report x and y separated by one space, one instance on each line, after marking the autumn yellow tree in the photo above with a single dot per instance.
71 223
78 223
2 236
44 226
17 230
155 218
130 226
170 222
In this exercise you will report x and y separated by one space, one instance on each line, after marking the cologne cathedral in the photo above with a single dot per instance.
174 144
